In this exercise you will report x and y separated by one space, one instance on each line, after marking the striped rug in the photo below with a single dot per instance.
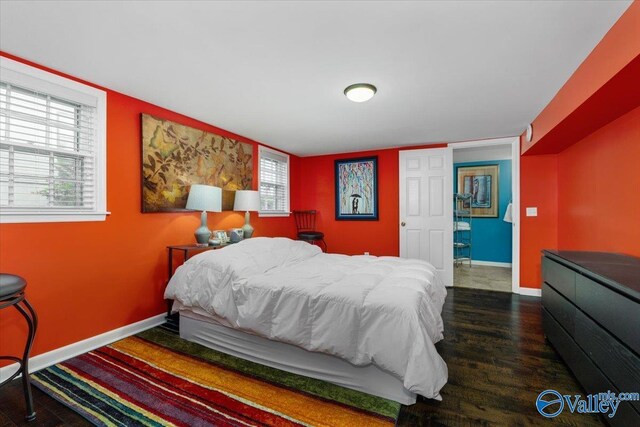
157 379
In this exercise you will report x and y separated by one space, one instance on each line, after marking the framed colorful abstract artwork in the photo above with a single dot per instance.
357 188
175 156
482 183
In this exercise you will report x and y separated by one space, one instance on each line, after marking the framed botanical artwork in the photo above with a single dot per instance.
357 188
482 183
175 156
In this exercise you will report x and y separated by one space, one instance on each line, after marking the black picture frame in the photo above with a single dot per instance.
356 189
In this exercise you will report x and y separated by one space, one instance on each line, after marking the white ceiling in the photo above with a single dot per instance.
275 71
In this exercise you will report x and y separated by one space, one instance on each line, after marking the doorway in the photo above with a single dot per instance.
426 209
425 177
486 235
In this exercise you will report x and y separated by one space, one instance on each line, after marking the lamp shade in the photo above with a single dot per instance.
508 214
205 198
247 200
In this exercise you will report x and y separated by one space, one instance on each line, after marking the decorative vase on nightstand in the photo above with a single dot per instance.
203 233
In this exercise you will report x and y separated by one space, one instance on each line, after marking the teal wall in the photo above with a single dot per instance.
491 237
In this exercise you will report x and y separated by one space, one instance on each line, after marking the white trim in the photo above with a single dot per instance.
62 87
532 292
483 154
53 84
515 213
273 215
17 217
514 141
484 142
285 213
491 263
58 355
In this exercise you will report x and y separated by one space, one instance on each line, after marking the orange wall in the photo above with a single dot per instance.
619 47
88 278
586 197
598 189
538 188
353 237
317 191
584 194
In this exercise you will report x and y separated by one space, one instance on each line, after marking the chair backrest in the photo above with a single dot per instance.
305 220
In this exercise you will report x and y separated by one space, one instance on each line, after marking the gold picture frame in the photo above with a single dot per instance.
482 183
175 156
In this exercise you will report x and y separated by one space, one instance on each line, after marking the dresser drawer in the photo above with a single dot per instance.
591 378
618 314
560 308
614 359
561 278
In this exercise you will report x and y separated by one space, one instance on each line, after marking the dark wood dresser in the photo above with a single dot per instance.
591 316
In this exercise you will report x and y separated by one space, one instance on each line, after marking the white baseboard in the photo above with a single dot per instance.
491 263
58 355
532 292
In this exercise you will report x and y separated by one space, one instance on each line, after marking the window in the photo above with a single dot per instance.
274 182
52 147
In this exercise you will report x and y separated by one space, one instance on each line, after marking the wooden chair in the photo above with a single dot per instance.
306 225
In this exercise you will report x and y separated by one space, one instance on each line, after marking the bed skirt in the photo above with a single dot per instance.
368 379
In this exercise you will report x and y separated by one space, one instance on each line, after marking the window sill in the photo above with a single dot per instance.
20 218
273 214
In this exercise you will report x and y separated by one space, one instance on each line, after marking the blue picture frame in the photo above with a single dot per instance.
356 189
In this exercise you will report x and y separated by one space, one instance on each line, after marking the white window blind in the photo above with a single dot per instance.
274 182
51 159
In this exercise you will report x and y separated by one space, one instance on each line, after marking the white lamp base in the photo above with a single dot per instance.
203 234
247 228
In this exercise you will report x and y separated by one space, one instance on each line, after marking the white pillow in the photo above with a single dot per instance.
256 255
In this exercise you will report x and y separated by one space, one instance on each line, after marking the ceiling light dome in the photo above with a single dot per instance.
360 92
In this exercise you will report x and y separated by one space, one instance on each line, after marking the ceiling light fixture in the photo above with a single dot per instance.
360 92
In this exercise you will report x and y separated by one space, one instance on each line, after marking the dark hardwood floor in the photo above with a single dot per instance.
498 364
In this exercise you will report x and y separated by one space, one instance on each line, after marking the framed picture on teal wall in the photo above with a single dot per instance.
482 183
357 188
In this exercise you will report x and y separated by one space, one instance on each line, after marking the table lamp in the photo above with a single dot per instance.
247 200
204 198
508 214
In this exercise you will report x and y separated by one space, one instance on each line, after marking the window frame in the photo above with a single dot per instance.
286 212
19 74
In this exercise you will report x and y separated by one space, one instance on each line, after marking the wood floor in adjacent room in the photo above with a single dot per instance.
498 364
484 277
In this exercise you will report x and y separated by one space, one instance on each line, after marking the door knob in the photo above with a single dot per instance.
403 223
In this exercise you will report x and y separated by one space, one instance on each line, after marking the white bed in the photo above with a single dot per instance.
368 323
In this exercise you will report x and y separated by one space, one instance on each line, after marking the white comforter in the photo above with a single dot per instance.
365 309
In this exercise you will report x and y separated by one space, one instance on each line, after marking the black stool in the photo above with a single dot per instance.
12 294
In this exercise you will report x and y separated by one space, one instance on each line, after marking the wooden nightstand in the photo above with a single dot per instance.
187 252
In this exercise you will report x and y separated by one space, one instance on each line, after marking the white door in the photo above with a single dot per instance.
426 208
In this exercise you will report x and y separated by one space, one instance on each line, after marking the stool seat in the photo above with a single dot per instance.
10 284
310 235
